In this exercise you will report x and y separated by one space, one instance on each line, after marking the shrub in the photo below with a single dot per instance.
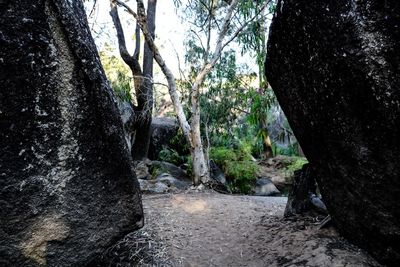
237 165
243 152
179 143
243 175
171 156
221 155
293 164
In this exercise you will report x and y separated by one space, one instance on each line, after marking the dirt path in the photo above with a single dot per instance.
211 229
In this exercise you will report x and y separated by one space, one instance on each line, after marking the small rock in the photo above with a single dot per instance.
154 188
264 187
173 170
142 170
171 181
216 173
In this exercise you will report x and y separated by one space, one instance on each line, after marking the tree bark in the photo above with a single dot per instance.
201 170
143 79
140 147
304 184
68 189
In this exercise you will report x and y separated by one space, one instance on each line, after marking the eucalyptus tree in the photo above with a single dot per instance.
253 39
142 77
221 20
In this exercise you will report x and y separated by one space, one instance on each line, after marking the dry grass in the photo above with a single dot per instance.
140 248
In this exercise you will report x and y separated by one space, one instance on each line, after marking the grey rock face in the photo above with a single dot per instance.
163 183
68 190
172 181
142 169
163 129
153 186
335 68
173 170
216 173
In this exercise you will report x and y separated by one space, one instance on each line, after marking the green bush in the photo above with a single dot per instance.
237 165
243 152
243 175
221 155
122 87
290 151
293 164
179 143
171 156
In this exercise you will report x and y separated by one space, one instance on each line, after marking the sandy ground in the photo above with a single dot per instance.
211 229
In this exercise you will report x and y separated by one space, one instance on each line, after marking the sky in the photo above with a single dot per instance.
170 30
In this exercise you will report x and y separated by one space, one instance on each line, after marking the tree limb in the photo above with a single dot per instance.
120 35
140 17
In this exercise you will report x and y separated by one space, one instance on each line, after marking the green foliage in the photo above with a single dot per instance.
122 87
222 155
243 175
261 102
237 166
179 143
243 152
226 102
117 73
293 164
291 150
171 156
222 140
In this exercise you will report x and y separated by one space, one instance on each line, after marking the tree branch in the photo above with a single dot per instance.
207 67
141 19
128 59
244 25
136 54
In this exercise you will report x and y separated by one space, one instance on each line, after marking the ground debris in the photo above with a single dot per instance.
211 229
140 248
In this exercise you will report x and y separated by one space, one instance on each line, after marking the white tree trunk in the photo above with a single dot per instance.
190 130
201 173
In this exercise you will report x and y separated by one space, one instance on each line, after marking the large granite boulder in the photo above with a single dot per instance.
335 69
67 187
162 131
158 167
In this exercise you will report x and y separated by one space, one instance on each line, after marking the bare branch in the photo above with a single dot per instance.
223 32
181 73
120 35
140 17
93 8
207 67
136 54
244 25
201 43
210 16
